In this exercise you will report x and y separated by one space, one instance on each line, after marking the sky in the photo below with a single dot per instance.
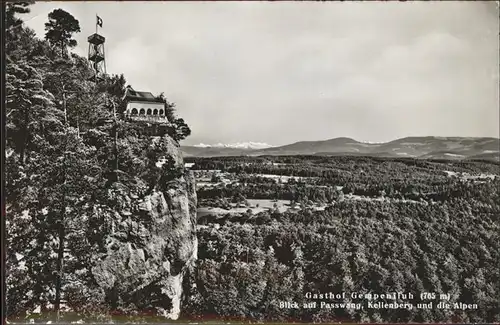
281 72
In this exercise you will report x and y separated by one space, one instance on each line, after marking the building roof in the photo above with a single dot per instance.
141 96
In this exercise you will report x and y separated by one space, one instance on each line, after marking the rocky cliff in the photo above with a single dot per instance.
151 243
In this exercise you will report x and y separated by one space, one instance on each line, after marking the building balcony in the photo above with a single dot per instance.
157 119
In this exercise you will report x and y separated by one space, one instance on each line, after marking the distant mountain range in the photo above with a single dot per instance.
239 145
416 147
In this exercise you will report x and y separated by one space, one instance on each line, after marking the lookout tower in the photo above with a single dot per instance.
96 53
143 107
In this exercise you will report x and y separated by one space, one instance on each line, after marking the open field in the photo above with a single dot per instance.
218 181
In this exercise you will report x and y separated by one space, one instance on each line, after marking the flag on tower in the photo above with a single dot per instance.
99 21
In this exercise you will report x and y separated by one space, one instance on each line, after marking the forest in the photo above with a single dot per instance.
318 178
362 224
388 225
67 155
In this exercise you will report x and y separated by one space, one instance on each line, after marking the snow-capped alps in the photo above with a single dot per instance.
239 145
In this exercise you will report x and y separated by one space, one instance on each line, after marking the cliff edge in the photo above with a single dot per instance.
151 243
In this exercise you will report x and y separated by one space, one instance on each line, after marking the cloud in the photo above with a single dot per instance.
279 72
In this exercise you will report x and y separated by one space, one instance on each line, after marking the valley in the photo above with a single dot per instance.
279 226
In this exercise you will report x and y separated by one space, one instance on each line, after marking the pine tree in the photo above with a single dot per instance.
30 109
60 29
58 159
12 9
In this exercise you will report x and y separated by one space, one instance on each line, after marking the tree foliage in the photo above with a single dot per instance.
388 225
60 154
60 29
12 9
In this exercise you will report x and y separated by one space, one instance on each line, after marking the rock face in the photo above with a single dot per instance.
151 246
